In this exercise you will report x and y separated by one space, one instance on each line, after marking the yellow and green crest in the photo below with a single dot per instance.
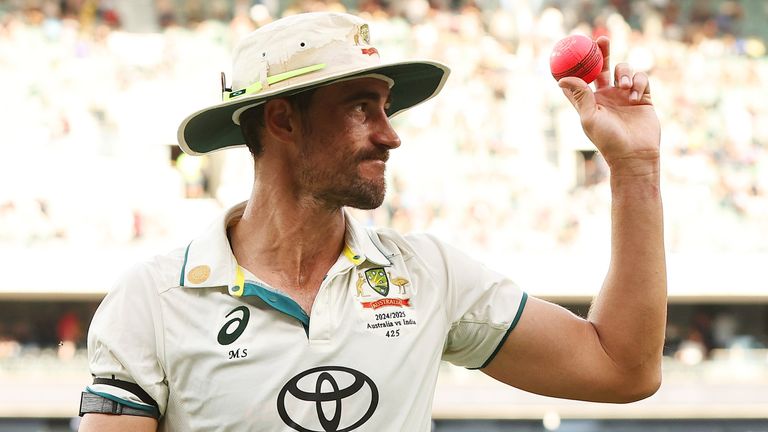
378 280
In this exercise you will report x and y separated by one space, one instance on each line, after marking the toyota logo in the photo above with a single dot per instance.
328 388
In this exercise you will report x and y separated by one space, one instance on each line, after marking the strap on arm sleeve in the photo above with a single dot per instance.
93 403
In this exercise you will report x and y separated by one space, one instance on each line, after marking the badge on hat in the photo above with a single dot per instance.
364 34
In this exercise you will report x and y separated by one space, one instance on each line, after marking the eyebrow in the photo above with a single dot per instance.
366 95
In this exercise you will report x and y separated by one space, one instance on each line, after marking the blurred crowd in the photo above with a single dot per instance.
94 91
29 329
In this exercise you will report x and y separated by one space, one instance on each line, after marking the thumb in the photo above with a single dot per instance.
579 93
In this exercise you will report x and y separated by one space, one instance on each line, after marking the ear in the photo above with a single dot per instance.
280 120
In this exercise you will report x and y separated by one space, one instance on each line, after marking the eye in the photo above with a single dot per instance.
302 44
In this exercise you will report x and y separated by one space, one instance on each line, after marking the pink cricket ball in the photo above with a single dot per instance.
577 56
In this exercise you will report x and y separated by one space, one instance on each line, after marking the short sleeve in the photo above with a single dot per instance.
123 341
483 306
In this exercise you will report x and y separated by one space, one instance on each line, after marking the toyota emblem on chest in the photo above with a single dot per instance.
343 399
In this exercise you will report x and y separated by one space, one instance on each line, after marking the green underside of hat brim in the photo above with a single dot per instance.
213 129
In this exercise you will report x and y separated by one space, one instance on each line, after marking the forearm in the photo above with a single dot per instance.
629 314
615 356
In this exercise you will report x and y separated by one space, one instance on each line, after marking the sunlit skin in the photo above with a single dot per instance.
342 156
311 167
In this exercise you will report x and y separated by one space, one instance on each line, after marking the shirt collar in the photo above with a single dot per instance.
209 261
362 244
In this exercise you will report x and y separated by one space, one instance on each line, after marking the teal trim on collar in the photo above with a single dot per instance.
134 405
212 249
184 266
277 301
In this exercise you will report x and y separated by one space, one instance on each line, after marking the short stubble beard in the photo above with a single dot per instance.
344 186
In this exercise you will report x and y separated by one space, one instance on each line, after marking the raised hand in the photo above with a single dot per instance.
618 117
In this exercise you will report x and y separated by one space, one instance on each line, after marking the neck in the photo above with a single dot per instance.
289 242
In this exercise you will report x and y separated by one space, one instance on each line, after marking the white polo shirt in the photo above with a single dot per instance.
219 350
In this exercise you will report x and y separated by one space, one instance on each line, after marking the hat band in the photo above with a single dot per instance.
390 83
257 86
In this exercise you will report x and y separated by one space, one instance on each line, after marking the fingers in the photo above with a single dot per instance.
622 76
604 79
641 89
625 78
579 94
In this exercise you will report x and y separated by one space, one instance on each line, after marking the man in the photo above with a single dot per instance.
285 316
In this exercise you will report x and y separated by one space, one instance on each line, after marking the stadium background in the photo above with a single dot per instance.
91 181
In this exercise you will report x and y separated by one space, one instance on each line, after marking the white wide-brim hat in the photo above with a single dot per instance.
298 53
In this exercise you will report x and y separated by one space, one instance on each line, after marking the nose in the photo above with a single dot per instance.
385 134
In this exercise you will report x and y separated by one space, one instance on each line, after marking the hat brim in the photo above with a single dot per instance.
213 129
